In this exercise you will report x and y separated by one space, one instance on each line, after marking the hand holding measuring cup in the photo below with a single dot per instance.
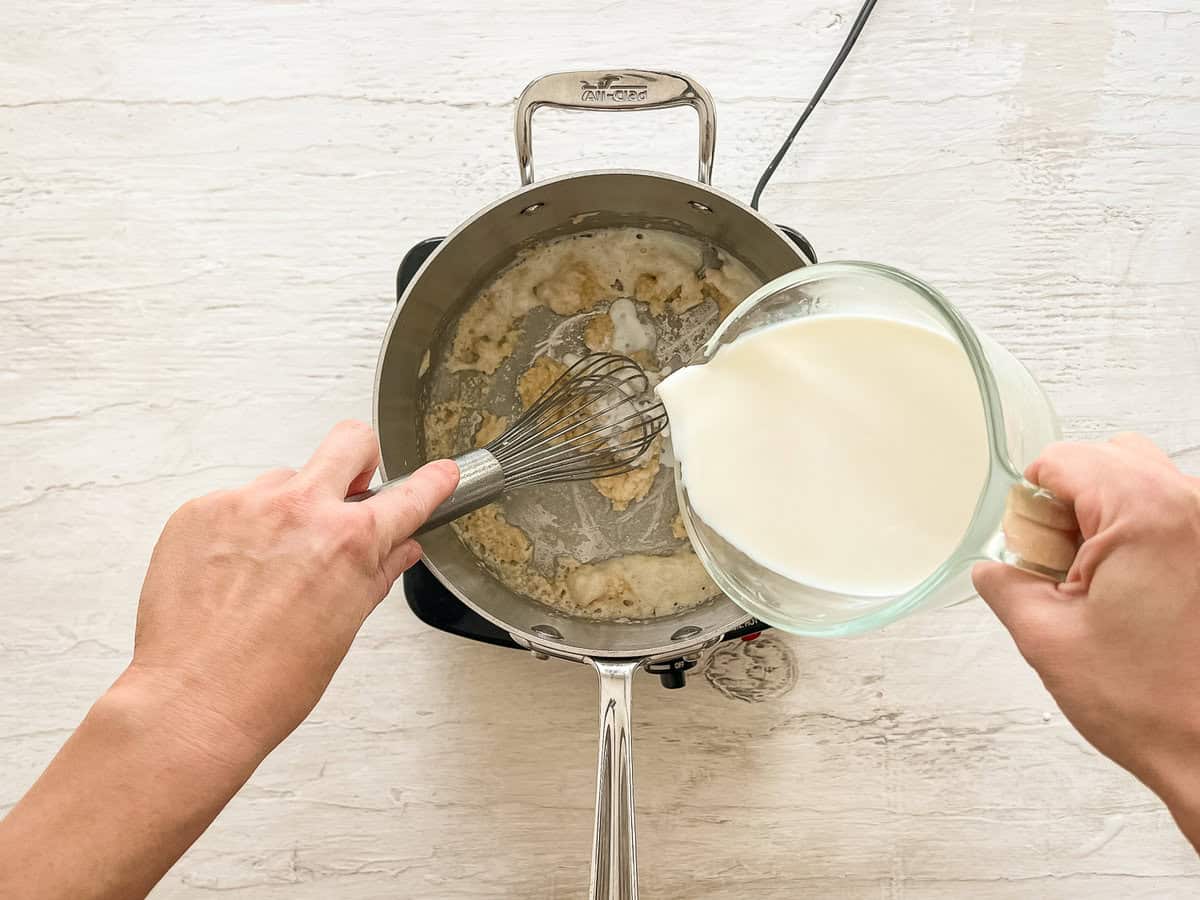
1115 644
1112 631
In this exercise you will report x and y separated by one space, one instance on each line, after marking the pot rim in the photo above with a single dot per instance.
495 204
737 616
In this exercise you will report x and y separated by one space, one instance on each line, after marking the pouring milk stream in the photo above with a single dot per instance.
848 448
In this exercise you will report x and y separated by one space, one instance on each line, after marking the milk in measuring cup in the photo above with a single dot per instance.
843 452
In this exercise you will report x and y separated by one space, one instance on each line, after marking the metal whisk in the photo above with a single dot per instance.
597 419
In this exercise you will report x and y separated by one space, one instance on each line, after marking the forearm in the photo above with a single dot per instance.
127 794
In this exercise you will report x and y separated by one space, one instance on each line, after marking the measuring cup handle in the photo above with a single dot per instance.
620 90
1041 534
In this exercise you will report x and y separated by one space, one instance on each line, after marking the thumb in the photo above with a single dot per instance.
1032 608
404 507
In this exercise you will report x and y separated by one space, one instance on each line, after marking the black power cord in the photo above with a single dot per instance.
848 45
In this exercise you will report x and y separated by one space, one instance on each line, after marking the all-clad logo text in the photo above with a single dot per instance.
606 90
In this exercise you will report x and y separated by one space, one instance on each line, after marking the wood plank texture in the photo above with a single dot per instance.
203 207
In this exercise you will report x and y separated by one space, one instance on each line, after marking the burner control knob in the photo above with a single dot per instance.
673 672
673 679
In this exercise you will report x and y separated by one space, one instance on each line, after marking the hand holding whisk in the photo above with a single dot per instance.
597 419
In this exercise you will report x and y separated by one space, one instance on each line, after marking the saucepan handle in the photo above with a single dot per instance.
614 851
1041 534
615 89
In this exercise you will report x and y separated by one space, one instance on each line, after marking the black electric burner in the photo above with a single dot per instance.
437 607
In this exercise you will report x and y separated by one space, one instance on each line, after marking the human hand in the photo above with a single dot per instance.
1116 643
250 603
254 595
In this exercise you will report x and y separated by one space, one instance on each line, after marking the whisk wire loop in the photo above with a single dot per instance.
595 420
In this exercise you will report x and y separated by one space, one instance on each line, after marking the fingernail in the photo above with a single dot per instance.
446 466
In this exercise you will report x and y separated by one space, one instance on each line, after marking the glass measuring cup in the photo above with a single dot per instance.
1014 522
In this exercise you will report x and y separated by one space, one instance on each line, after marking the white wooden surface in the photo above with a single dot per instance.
203 208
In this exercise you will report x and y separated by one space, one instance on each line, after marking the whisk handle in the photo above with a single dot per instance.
480 481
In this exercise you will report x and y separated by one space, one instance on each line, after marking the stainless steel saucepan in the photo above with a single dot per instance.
428 311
